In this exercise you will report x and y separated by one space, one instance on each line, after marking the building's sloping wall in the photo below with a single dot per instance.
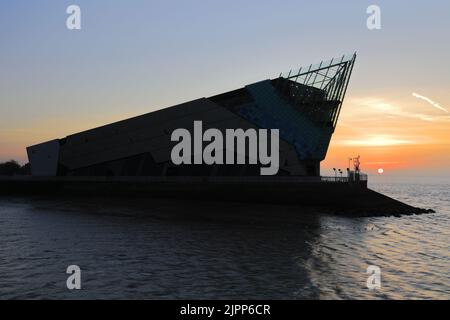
149 132
142 145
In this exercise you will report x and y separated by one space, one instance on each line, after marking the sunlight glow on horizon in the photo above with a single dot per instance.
375 141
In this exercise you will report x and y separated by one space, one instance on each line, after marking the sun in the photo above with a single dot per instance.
380 171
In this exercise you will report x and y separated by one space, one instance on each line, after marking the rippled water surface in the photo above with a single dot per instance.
161 249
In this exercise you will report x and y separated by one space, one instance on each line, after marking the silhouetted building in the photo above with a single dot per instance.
304 105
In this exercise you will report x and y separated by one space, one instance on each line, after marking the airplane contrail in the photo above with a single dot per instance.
434 104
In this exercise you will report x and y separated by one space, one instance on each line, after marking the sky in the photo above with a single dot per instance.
133 57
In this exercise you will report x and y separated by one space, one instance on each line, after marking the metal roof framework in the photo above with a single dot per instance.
331 76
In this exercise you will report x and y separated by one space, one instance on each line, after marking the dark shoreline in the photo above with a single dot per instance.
337 198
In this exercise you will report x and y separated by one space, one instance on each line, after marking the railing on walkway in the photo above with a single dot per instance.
335 179
351 178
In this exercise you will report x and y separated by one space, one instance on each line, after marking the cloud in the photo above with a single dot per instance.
434 104
378 107
382 163
376 141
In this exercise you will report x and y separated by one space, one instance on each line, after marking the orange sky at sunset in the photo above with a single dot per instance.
407 136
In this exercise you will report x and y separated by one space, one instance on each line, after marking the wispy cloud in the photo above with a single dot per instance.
382 162
434 104
376 141
379 107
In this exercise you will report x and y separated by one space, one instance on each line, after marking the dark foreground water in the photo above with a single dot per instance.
164 250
